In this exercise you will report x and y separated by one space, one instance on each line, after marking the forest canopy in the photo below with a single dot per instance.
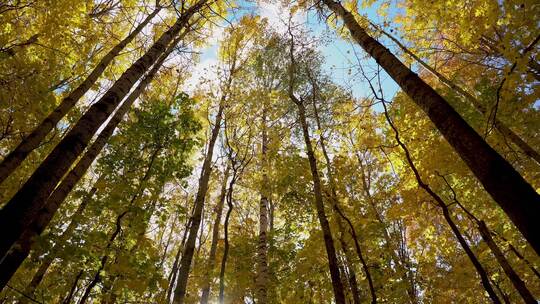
259 151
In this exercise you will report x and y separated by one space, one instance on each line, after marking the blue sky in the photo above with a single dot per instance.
340 59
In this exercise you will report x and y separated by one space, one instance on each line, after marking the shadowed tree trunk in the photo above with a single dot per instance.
13 259
215 237
350 266
59 243
334 196
403 271
321 214
168 243
104 258
67 299
187 256
32 141
118 226
518 284
174 269
23 208
486 235
478 106
507 187
520 256
484 278
333 265
230 206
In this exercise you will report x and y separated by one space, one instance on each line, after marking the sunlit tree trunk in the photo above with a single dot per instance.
507 187
23 208
215 237
32 141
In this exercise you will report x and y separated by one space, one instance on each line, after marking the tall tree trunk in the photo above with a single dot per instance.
352 273
13 259
504 296
484 278
319 205
168 243
174 269
334 198
23 208
215 237
59 243
478 106
520 256
486 235
333 265
507 187
518 284
230 206
107 290
261 280
187 256
32 141
108 295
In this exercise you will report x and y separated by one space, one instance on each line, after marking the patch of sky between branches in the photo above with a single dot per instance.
342 58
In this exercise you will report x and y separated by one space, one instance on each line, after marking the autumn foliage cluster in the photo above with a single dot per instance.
208 151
